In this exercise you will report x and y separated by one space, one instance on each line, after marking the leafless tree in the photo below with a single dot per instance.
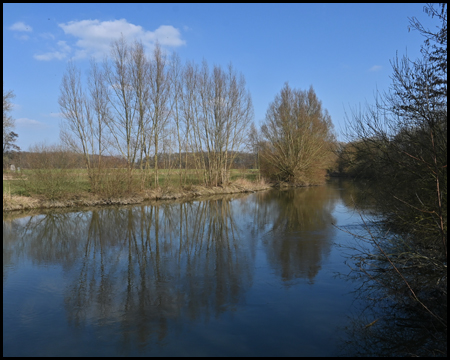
85 115
124 123
176 78
226 112
190 113
140 80
135 103
8 123
76 130
254 140
298 135
159 98
98 103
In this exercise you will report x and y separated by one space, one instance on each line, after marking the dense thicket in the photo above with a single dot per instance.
401 143
400 146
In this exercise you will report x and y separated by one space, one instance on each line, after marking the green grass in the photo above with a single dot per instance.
14 188
60 184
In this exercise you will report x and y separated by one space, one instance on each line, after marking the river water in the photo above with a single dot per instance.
243 275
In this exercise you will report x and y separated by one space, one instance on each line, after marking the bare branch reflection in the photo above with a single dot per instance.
298 229
142 269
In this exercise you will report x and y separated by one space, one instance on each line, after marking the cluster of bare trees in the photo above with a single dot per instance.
141 106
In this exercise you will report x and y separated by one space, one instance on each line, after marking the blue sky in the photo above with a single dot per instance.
342 50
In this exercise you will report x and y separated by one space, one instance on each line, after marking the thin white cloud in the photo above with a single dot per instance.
22 37
95 36
56 115
61 53
375 68
30 123
16 106
63 46
47 35
20 26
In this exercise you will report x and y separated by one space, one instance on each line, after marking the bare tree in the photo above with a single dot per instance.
9 136
140 80
100 109
176 78
124 122
191 112
8 121
133 98
85 115
238 118
298 137
226 112
159 99
76 130
254 140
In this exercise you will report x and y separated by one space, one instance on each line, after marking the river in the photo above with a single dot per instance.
241 275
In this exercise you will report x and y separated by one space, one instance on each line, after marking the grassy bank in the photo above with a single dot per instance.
34 190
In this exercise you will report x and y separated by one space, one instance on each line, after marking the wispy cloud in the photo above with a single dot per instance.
95 36
60 53
56 115
16 106
30 123
20 26
22 37
47 35
375 68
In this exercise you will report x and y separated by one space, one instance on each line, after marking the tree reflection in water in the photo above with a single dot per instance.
391 322
388 328
300 233
146 268
132 276
135 274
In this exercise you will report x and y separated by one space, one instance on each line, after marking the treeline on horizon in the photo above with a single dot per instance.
29 160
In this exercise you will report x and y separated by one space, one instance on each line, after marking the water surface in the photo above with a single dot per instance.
242 275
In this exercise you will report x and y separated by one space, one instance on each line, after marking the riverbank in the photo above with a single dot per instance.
17 203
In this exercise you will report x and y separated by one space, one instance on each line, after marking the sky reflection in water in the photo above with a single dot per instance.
239 275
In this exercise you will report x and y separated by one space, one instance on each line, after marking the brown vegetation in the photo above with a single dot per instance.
297 138
15 202
399 146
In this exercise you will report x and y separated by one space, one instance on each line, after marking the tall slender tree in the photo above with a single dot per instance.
9 136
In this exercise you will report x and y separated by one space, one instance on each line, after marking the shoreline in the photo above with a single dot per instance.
20 203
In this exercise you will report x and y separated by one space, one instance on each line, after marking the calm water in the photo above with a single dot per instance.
246 275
